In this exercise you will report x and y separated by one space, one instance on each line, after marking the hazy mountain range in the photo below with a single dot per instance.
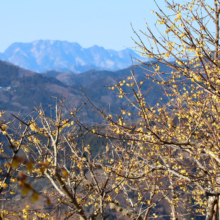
45 55
21 90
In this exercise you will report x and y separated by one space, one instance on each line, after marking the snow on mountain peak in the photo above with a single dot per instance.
44 55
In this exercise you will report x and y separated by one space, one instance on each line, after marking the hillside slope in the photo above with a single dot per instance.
22 90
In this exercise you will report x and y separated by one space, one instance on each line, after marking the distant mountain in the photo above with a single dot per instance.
22 90
95 83
44 55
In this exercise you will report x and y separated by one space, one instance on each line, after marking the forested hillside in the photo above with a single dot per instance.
24 89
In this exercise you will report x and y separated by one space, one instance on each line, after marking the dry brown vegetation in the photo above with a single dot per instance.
162 163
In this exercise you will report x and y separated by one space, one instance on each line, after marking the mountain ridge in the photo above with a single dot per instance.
45 55
22 90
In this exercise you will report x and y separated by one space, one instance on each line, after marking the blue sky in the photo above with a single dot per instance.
89 22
